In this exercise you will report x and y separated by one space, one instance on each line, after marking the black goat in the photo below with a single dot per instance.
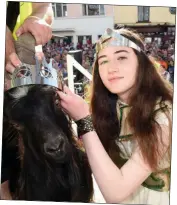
45 160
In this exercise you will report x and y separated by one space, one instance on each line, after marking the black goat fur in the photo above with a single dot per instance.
32 117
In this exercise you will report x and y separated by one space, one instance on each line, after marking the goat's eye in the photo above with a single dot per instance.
16 126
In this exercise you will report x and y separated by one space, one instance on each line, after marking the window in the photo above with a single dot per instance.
60 10
148 40
68 40
143 13
158 40
172 10
85 39
93 9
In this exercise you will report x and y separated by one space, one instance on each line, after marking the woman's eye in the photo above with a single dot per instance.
103 62
121 58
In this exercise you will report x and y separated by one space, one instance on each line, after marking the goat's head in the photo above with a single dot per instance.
44 129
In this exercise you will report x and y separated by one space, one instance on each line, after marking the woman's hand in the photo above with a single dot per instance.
73 104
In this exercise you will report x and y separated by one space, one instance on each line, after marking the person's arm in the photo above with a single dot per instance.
38 23
115 184
5 193
9 43
11 58
43 11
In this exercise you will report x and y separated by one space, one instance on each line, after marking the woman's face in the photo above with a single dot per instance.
118 70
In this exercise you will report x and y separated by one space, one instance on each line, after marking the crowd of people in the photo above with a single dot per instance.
163 54
58 51
55 52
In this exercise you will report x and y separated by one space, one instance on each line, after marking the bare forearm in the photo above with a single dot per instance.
107 175
10 48
5 193
115 184
43 10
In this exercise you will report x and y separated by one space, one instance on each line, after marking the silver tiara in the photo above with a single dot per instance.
116 40
39 74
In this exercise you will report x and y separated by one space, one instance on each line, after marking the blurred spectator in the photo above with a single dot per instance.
58 52
164 55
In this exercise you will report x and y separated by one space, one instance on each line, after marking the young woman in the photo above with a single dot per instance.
127 131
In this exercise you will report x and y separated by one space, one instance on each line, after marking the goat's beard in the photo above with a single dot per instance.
43 171
21 150
44 179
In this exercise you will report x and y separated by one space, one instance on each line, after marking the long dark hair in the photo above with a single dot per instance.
148 89
52 165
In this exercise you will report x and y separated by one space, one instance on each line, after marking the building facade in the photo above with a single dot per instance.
81 22
155 23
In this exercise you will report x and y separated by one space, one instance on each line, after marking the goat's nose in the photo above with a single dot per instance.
53 147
